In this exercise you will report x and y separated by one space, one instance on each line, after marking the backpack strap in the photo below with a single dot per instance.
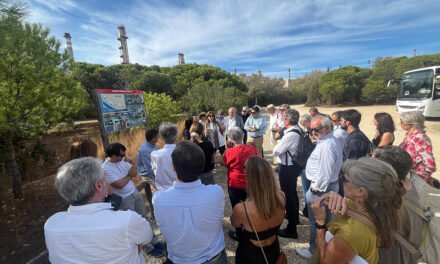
417 210
288 152
408 246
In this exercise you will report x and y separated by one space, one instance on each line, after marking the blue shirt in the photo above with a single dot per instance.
144 159
190 216
258 123
324 163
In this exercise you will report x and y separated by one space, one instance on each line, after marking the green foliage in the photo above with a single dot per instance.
206 97
263 89
154 82
36 92
160 108
343 85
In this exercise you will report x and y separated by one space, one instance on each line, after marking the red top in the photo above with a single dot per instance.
235 158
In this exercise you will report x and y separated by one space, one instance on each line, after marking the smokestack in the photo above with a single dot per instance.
69 45
180 58
123 48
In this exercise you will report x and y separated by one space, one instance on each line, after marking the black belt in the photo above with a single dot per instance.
216 257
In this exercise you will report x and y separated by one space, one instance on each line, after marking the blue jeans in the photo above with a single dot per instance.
221 259
305 185
334 186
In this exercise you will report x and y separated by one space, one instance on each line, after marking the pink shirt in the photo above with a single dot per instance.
419 146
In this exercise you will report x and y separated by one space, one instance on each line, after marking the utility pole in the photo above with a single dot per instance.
369 64
69 45
288 80
415 52
123 49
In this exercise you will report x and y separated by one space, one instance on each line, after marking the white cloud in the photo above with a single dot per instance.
266 35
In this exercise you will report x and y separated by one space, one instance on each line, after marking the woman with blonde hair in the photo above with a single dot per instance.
374 193
262 213
197 136
417 143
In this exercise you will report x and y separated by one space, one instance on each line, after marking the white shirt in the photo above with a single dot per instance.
116 171
190 217
94 233
276 118
231 122
289 142
340 134
324 163
162 165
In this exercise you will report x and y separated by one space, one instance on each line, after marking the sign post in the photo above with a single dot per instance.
119 110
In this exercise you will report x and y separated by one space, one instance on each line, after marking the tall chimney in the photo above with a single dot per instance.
123 49
69 45
180 58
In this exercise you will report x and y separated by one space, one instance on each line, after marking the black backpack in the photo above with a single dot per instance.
305 148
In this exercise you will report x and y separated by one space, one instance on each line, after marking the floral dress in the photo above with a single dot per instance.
419 146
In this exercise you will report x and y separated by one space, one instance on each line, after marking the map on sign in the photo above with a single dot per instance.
121 109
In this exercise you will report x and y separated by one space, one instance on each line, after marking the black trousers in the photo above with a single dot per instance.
236 195
288 176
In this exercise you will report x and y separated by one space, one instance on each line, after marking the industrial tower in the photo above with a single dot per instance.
180 58
123 49
69 45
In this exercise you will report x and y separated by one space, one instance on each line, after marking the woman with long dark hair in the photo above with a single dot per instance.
198 137
384 129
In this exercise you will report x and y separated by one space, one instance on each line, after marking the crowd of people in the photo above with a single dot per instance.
353 190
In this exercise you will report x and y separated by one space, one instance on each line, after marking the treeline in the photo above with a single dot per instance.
195 87
356 85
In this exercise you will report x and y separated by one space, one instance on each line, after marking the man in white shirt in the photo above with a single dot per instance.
190 214
288 171
276 122
119 171
90 231
322 170
161 159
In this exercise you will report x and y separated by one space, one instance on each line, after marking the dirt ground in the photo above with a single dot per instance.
22 221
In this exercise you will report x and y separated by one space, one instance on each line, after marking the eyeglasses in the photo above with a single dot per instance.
316 129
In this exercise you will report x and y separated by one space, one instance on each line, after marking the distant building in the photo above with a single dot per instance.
180 58
69 48
123 48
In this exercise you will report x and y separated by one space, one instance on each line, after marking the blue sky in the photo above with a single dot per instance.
270 36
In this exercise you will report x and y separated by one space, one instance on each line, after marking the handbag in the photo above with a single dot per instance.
282 258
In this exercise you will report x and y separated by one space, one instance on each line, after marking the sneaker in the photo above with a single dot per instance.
159 249
304 253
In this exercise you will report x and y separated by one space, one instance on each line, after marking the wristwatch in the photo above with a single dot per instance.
318 226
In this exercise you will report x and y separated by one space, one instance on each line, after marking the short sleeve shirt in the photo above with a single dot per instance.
234 159
116 171
360 237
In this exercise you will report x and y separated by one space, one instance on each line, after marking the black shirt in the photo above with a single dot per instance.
208 150
357 145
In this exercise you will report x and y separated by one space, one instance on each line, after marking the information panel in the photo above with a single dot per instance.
121 109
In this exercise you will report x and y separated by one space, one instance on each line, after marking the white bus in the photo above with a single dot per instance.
420 91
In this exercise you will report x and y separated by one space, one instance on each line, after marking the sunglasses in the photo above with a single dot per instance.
316 129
